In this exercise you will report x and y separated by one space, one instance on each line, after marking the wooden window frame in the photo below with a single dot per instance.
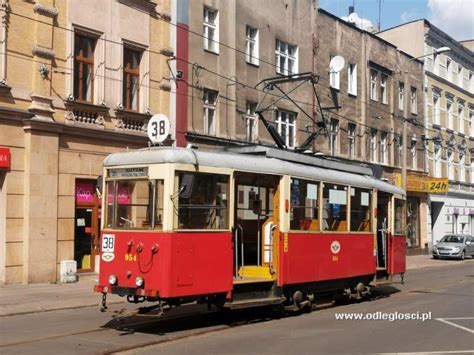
80 60
128 74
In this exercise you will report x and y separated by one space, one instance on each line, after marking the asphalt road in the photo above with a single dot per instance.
447 292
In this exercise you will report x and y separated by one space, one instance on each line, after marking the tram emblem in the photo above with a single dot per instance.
108 256
335 247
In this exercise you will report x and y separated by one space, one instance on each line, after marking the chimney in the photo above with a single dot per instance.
351 9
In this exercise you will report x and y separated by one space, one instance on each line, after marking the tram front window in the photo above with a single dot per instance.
130 204
206 206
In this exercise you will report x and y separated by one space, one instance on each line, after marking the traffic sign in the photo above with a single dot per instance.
158 128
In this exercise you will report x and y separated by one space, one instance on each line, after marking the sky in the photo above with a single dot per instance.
455 17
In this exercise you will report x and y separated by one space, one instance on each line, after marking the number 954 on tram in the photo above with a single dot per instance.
241 230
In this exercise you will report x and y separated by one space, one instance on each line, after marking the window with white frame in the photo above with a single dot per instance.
383 148
352 79
437 160
437 63
286 58
460 75
251 122
373 145
333 135
399 150
211 30
383 89
472 167
450 164
210 103
401 96
462 167
436 109
286 124
351 137
252 45
413 101
460 117
449 113
373 85
413 154
334 78
449 65
471 82
471 122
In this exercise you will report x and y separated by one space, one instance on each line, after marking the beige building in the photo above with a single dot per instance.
79 80
448 85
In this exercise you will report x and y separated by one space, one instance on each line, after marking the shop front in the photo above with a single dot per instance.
418 189
86 226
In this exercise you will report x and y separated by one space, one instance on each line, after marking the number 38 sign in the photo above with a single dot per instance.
158 128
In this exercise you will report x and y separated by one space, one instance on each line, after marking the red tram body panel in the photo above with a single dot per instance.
183 264
397 254
321 257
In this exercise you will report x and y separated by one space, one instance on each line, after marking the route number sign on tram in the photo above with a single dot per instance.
158 128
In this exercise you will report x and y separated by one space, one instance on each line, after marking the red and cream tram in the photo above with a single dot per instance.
239 230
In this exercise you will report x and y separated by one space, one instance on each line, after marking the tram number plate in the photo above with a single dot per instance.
108 243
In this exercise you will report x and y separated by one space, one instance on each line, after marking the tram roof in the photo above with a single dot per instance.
246 162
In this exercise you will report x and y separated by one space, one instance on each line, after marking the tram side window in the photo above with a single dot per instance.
361 203
334 207
130 204
207 206
400 216
304 205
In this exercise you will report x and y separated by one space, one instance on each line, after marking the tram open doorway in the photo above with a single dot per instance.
383 209
255 221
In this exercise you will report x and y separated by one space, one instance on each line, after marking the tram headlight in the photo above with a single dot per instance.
112 279
139 281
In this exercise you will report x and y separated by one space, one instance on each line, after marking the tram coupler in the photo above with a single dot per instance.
104 302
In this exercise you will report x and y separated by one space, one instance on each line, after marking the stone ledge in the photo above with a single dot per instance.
49 11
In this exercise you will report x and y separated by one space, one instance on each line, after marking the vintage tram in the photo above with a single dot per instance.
245 227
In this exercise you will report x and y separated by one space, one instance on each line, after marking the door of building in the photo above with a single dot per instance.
86 225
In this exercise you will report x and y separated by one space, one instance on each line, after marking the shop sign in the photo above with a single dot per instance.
123 195
424 184
5 158
85 191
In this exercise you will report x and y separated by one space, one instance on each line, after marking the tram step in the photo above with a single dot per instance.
256 302
260 272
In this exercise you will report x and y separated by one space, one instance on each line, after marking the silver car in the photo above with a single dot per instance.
456 246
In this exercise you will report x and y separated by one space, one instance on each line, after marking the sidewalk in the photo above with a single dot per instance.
33 298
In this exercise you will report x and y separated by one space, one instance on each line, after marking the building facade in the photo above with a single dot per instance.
379 91
364 107
79 81
224 49
449 121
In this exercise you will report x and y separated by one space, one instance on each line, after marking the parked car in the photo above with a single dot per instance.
456 246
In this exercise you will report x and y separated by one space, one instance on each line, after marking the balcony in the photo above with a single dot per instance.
85 114
131 122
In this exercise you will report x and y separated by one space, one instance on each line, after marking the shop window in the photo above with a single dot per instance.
205 205
334 208
304 205
400 217
134 204
361 203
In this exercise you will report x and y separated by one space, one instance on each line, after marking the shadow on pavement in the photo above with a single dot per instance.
199 317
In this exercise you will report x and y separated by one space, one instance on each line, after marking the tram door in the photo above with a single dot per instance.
254 223
383 201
